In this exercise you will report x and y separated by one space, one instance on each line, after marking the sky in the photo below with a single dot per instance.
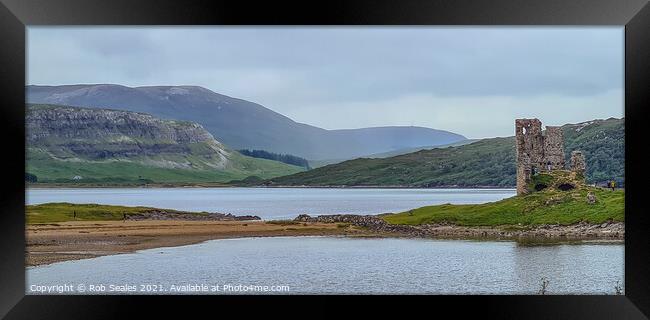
470 80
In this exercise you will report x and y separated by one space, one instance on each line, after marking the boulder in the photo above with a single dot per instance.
591 198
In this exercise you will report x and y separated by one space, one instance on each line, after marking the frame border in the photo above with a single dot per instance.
16 15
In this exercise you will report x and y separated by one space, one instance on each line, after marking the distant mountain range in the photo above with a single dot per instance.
71 144
484 163
240 124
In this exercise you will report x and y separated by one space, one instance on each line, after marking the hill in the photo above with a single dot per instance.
484 163
72 144
241 124
322 163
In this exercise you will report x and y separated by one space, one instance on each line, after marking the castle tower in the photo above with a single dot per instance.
536 152
529 145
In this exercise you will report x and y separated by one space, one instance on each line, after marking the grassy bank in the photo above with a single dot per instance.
545 207
117 173
63 211
47 185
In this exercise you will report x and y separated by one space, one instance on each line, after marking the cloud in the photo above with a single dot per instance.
474 117
313 72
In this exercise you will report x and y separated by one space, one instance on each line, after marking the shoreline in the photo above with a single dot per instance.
75 240
199 186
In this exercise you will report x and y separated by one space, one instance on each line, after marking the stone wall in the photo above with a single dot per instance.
578 164
553 158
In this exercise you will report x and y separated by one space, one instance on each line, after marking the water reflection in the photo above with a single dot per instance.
346 265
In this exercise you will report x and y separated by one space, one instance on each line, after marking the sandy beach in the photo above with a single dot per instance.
73 240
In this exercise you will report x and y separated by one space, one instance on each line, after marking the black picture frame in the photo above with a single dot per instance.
15 15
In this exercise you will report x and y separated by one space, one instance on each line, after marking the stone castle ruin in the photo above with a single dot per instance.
578 163
539 152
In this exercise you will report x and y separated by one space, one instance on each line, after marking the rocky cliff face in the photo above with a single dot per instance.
76 134
74 123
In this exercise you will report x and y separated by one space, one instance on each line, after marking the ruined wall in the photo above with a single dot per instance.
536 152
530 142
529 145
553 158
578 164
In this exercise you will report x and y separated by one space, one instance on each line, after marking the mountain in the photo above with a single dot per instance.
68 144
487 162
241 124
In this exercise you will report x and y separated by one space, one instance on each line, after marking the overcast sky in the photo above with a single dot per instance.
473 81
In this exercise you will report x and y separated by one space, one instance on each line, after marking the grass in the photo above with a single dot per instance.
549 206
283 222
49 170
63 211
118 172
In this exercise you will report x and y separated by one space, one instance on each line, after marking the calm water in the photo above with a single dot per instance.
345 265
271 203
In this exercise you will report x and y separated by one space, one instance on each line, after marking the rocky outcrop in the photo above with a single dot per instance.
81 123
579 231
582 230
358 220
371 222
82 134
189 216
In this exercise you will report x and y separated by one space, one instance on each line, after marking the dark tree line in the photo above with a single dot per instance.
30 177
285 158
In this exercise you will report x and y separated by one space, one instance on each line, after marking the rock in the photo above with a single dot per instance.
303 218
591 198
371 222
189 216
581 229
552 201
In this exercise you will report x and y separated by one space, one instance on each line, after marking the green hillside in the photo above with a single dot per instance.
487 162
411 150
132 171
322 163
